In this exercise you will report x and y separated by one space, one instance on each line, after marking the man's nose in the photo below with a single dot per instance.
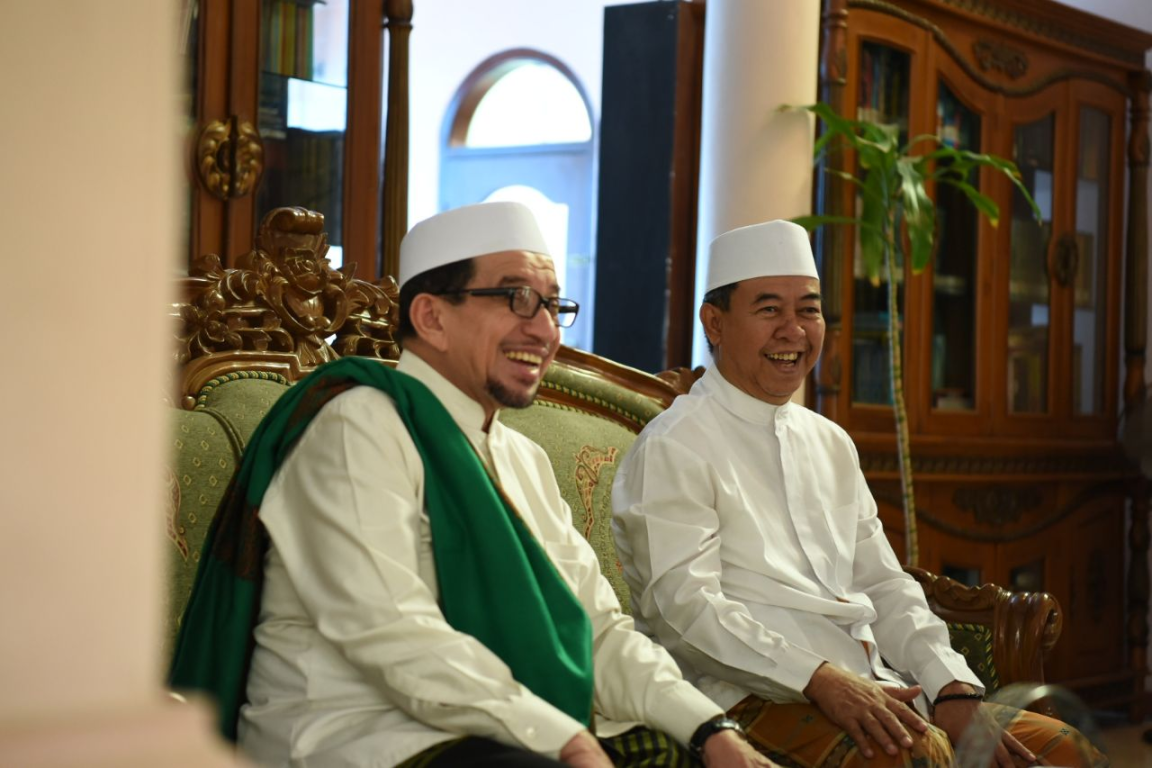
543 326
790 327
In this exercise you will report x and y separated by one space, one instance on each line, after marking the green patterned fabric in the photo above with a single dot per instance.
585 451
240 400
974 643
619 399
201 463
205 451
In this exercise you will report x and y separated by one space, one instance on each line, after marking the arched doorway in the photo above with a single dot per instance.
520 128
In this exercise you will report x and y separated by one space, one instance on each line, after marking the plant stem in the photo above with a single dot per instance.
899 409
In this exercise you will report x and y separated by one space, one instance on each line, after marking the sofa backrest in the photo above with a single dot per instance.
243 336
588 412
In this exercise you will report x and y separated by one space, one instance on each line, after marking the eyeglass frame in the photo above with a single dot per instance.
564 308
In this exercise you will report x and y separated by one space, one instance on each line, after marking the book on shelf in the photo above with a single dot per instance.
288 33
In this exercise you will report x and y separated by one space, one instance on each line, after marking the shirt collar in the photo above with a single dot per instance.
736 400
465 411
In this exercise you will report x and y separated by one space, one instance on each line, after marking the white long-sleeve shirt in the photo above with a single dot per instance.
355 664
754 553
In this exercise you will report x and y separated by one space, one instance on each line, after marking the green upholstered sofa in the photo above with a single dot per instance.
246 333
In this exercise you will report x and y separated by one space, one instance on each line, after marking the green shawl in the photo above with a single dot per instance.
496 582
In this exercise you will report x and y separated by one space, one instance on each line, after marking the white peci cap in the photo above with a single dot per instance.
772 249
467 232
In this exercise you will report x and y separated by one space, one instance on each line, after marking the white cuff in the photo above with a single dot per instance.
946 668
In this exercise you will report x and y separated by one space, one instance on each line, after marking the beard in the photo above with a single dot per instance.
509 399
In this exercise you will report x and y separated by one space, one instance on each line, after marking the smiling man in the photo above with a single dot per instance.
752 547
417 594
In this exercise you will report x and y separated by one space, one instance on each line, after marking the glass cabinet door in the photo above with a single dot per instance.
303 110
1028 288
1089 287
954 272
882 98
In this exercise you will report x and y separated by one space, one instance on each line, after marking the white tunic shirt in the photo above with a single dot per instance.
754 553
355 664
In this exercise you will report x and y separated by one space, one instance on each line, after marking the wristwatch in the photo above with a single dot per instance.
708 729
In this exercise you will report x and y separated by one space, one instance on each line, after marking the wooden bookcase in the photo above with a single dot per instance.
1013 340
251 64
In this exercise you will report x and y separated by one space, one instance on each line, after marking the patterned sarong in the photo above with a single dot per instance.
799 736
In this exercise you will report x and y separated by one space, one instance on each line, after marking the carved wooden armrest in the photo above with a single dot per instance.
1025 625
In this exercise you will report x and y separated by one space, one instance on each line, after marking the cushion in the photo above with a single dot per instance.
206 449
240 399
974 643
202 462
585 451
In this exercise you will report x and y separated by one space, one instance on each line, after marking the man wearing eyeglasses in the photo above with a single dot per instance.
426 600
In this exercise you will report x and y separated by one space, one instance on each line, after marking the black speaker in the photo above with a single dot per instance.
649 163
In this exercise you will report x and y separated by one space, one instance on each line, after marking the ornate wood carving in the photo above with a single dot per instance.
1045 28
1136 256
992 54
229 157
942 39
682 378
284 299
1025 625
1047 520
394 206
875 463
996 505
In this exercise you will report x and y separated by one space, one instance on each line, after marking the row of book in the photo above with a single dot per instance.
956 126
287 32
883 96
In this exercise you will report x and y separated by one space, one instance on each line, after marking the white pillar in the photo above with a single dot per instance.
89 211
755 162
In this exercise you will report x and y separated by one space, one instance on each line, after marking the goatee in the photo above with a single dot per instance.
509 399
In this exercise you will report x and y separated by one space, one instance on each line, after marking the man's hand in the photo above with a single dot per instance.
728 748
865 709
583 751
957 716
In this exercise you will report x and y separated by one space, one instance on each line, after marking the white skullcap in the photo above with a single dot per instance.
463 233
772 249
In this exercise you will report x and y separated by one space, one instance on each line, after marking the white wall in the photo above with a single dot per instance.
88 204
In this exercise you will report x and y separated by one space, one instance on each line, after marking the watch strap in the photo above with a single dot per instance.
710 728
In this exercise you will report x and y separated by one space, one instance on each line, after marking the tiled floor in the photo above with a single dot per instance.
1126 747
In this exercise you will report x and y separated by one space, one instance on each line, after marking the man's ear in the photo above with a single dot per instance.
427 315
712 318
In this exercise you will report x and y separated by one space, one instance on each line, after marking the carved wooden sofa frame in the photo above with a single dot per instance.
284 310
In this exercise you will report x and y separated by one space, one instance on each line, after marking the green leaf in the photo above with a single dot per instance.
919 139
844 175
983 203
819 220
919 210
834 125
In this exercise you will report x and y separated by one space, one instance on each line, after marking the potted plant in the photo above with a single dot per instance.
897 217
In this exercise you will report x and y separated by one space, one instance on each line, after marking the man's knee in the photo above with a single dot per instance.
1056 742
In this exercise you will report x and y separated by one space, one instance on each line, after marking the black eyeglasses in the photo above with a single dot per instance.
526 302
